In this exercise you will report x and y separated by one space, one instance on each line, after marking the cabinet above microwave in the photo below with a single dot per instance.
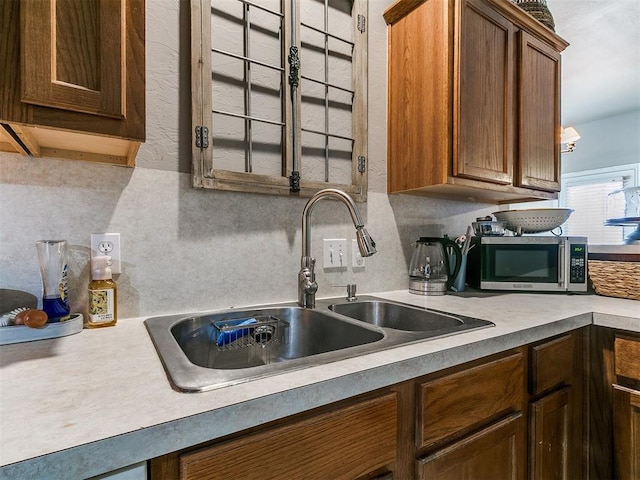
469 121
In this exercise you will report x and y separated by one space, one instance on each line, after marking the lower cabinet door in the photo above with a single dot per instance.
626 432
552 449
495 452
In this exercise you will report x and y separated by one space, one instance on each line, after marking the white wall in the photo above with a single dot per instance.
605 142
191 250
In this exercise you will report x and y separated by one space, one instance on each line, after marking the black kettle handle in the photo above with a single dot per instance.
447 242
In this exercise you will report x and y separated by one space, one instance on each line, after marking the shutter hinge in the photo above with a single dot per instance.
294 181
362 23
294 66
361 164
202 136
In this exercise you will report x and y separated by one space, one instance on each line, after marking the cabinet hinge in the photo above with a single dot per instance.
202 136
361 164
362 23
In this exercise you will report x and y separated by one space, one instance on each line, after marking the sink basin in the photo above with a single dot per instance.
398 317
295 333
197 357
212 350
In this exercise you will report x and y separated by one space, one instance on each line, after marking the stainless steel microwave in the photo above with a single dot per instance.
532 264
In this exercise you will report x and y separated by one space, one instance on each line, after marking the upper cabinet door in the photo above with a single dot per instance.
539 117
483 56
73 54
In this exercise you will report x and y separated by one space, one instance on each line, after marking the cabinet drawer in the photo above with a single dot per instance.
344 444
627 357
469 398
552 364
497 451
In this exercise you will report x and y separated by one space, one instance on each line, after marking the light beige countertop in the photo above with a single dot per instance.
99 400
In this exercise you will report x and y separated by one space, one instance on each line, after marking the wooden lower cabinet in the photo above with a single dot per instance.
626 432
479 420
465 400
493 452
555 409
550 437
626 407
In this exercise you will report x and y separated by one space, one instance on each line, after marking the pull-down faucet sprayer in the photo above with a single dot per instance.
307 286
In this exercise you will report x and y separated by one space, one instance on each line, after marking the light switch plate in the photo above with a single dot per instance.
107 244
334 253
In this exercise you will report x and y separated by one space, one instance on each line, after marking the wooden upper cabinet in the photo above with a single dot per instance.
72 56
75 86
483 55
539 118
473 101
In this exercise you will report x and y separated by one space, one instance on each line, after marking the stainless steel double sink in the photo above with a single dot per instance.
211 350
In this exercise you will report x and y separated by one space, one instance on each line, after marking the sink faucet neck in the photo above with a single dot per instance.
307 285
308 208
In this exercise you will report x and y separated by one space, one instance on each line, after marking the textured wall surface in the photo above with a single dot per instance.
191 250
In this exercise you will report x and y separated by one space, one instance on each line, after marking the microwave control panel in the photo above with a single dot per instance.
577 263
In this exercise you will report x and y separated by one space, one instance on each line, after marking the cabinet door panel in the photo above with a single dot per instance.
494 452
484 71
551 441
539 118
345 444
626 432
72 55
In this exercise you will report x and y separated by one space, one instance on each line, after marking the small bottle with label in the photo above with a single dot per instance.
103 308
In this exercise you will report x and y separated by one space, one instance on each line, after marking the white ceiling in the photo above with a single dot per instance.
601 66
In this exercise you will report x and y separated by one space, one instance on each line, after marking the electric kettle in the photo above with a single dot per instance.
430 270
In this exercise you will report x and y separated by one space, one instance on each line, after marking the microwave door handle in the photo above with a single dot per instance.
561 266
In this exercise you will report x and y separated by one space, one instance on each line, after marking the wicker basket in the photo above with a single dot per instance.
538 9
615 279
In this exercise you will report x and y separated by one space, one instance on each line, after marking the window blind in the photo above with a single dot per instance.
589 202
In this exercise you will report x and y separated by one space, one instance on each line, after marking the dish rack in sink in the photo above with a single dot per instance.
254 341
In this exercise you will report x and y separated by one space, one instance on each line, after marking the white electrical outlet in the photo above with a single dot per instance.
107 244
357 260
334 253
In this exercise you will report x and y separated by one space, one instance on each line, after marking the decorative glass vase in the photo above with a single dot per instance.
52 257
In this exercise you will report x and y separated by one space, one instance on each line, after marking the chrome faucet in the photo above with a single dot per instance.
307 286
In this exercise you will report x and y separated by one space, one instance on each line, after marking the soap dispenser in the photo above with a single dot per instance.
103 308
